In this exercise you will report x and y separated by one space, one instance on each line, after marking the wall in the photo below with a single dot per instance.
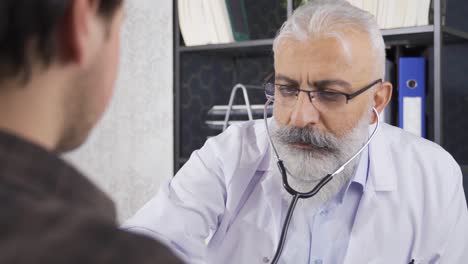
131 150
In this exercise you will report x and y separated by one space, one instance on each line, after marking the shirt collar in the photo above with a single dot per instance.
360 177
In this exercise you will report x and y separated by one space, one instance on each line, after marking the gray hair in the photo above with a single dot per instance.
333 18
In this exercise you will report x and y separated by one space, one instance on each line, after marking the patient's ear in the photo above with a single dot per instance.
78 35
382 96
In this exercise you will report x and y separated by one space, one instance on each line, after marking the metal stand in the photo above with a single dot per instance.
231 102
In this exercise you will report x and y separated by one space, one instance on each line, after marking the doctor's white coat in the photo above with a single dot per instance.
224 207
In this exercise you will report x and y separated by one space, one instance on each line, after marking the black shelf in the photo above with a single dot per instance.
396 36
250 44
464 169
455 35
409 35
422 35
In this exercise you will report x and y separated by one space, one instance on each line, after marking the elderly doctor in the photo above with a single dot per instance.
400 201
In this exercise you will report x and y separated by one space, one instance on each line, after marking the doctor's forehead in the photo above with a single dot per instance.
304 61
326 47
327 57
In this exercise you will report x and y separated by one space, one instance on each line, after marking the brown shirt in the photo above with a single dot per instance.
50 213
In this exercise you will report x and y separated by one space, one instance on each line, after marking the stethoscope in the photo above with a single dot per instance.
303 195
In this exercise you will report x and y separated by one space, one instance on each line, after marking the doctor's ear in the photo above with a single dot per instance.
381 98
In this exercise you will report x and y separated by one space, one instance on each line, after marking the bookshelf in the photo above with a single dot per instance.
395 36
234 59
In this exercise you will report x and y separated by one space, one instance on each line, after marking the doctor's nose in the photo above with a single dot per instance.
304 112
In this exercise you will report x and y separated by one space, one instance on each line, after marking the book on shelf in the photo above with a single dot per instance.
223 24
399 13
205 22
238 18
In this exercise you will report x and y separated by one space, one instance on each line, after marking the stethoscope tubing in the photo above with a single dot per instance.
303 195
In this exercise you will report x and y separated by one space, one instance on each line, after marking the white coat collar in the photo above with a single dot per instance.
382 171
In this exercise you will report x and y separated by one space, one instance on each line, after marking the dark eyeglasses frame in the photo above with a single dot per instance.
348 96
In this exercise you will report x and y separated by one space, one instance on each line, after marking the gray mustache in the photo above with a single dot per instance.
294 135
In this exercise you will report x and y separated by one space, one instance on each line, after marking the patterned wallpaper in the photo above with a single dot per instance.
131 151
206 80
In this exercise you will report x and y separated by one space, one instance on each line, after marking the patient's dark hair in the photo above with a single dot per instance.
33 22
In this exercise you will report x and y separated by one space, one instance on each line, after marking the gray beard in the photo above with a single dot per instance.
307 167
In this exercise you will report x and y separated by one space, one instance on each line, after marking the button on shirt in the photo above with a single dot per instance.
326 231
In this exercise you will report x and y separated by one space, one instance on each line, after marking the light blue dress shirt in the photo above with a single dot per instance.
329 227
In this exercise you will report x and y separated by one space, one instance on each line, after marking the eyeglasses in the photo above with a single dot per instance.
322 100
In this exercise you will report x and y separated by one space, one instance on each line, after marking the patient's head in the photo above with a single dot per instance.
58 64
329 63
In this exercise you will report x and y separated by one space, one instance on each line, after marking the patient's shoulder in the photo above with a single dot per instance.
54 232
